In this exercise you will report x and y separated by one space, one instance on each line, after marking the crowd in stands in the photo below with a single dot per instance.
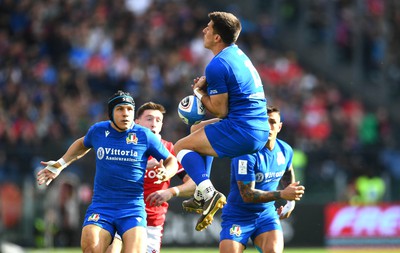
61 60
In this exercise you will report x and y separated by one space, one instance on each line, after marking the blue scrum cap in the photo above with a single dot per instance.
119 98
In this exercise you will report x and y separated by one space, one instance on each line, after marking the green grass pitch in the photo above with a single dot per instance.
249 250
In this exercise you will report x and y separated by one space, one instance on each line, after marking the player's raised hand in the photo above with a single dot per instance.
294 191
50 172
200 83
161 173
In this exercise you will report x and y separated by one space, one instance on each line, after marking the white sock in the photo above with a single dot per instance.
207 189
197 194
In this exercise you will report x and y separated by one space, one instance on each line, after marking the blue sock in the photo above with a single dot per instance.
208 160
193 164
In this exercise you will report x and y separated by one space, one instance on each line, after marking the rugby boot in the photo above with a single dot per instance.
193 205
210 207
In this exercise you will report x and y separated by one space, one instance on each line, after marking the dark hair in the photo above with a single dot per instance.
226 25
149 106
120 97
271 109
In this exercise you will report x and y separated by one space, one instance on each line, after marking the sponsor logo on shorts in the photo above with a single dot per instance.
235 230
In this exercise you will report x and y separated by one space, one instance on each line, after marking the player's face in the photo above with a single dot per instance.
151 119
124 115
208 35
275 125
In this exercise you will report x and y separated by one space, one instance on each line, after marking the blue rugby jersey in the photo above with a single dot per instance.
232 71
121 159
266 168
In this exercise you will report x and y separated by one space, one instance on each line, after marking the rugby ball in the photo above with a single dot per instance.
191 110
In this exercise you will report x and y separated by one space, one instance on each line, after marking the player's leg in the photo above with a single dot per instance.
195 166
116 245
190 150
271 241
135 240
195 144
95 239
131 224
154 235
230 246
268 236
196 203
234 234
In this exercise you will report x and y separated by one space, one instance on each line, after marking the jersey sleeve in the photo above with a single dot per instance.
156 148
216 76
87 140
243 168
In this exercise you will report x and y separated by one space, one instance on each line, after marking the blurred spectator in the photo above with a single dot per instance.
369 190
62 212
10 205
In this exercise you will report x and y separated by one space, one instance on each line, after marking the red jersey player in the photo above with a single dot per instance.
156 193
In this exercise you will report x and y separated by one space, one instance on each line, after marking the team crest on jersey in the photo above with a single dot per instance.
131 138
280 158
94 217
235 230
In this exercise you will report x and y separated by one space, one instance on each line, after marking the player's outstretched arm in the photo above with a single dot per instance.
184 190
251 195
54 168
167 169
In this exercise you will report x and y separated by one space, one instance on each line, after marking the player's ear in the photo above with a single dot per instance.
217 38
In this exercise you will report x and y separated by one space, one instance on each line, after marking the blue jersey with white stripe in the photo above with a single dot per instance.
232 72
121 159
266 168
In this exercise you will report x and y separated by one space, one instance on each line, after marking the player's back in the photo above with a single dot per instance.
232 71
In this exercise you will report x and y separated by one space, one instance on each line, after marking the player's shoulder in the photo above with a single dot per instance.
284 145
101 125
140 129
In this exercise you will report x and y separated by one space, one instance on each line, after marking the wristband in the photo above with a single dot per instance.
176 190
62 162
288 207
197 93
